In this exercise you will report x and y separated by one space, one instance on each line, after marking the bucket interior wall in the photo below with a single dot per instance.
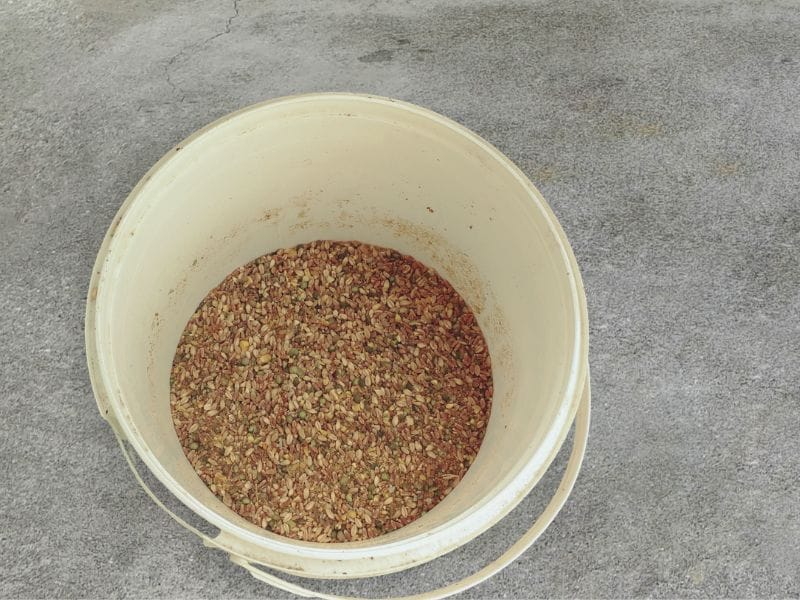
398 179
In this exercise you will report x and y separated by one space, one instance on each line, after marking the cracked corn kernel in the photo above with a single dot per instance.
318 402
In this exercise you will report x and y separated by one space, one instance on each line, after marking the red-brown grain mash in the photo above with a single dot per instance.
331 392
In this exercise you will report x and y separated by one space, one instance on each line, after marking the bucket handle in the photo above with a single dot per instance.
520 546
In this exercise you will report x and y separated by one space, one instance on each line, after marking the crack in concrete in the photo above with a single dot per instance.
168 65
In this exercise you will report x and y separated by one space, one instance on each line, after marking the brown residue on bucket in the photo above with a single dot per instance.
178 289
462 273
270 214
302 220
152 343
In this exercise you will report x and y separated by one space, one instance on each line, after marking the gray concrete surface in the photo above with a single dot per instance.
666 136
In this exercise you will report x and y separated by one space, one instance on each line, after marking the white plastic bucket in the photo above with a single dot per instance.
343 166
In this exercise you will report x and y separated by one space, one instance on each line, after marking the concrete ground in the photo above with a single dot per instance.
666 136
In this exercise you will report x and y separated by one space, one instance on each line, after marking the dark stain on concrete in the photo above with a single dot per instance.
382 55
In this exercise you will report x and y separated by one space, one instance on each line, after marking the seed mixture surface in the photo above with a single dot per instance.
331 392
